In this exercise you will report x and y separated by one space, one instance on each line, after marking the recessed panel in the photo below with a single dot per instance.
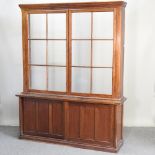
57 78
87 120
37 52
103 25
74 120
104 114
43 117
57 26
38 78
102 81
81 25
29 113
57 52
81 53
37 26
102 53
80 80
57 119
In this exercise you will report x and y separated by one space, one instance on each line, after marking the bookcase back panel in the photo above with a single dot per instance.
102 25
102 81
56 26
38 78
81 25
80 80
37 26
57 78
50 25
81 53
37 52
56 51
102 55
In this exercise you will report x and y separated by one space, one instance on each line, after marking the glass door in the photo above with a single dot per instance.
92 52
71 52
47 51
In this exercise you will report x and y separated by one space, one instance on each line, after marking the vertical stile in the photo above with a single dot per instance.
66 120
29 52
50 118
21 116
114 52
91 62
36 110
68 72
46 51
69 50
25 51
91 78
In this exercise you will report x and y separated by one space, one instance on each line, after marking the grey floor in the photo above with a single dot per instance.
137 141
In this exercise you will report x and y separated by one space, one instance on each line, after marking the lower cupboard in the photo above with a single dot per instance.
87 125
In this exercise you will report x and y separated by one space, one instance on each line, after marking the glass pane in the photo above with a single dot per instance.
103 25
102 53
57 26
37 52
37 26
38 78
80 80
102 81
57 78
57 52
81 53
81 25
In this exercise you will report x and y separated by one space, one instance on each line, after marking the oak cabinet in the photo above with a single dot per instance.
29 116
84 123
73 74
43 117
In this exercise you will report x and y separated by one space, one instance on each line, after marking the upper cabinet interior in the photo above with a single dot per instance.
74 50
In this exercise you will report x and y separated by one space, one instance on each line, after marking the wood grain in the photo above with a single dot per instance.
74 120
104 123
29 116
43 117
57 118
85 120
57 6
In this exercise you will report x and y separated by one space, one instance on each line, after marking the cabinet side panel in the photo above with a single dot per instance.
87 122
21 115
74 121
119 122
123 42
104 123
29 115
118 52
25 51
43 116
57 118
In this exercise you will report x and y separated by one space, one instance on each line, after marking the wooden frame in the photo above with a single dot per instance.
68 54
47 39
79 115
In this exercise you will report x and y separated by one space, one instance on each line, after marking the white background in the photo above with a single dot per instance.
139 71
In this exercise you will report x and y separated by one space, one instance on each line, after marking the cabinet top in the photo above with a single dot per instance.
80 5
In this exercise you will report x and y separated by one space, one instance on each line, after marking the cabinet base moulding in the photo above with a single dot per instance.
73 143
